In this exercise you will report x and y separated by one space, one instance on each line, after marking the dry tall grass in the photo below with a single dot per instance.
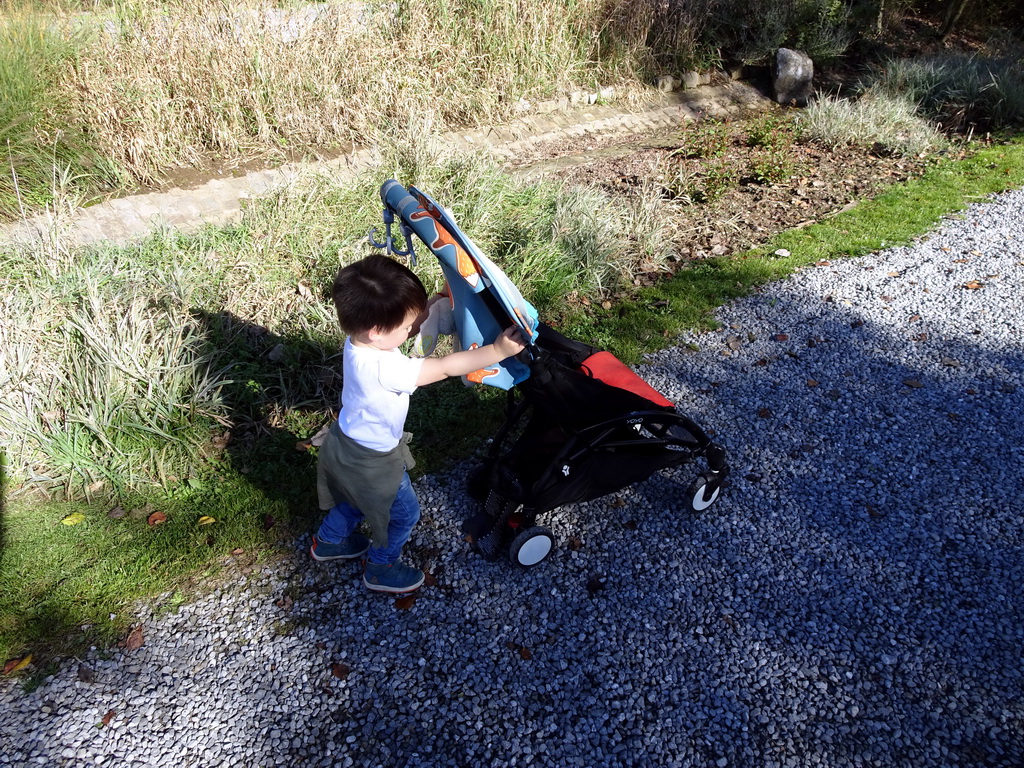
165 85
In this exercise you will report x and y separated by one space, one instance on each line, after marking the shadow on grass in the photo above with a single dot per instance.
282 390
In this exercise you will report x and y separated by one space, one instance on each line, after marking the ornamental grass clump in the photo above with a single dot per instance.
877 120
121 362
961 92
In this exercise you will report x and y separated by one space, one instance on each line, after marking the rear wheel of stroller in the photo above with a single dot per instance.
531 546
703 492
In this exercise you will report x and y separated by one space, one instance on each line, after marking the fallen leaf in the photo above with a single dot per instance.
618 501
303 446
237 551
914 319
525 654
951 362
575 543
73 519
108 717
303 290
765 413
156 518
894 274
116 513
268 522
285 603
973 285
606 305
85 674
340 671
595 584
405 603
913 383
874 512
753 478
207 520
134 640
763 361
812 383
429 580
16 665
630 525
781 337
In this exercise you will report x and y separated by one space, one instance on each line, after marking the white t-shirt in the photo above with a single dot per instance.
375 395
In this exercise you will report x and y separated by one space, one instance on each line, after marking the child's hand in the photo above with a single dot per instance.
509 343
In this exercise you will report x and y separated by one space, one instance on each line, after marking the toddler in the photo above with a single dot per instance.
363 466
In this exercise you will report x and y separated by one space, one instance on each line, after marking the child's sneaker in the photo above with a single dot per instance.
346 549
392 577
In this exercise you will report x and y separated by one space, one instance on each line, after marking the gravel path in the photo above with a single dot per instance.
853 599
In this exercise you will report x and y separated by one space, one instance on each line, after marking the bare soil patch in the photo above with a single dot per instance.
747 212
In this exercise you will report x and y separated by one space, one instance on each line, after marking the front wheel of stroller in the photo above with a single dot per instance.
531 546
703 492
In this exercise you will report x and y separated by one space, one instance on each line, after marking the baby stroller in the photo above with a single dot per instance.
579 425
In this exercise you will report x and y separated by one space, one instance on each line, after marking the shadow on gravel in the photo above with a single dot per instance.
882 488
852 599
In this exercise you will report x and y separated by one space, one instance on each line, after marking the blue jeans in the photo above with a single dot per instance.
405 512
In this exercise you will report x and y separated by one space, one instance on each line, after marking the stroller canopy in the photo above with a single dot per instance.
485 302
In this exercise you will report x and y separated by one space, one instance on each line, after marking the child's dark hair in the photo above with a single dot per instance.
376 292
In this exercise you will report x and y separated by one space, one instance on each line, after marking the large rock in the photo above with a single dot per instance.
792 77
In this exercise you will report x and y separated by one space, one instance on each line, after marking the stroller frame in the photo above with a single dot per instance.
635 437
592 426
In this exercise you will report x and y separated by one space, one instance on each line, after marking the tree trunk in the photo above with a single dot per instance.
956 7
880 19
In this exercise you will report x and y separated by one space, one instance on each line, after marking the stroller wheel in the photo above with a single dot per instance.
703 492
530 546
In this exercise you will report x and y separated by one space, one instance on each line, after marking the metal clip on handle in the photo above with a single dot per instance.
389 241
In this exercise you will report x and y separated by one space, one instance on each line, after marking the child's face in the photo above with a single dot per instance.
396 337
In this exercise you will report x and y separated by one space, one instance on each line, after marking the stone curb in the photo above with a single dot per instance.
220 201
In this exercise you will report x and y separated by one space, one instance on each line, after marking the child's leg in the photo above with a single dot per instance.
405 512
339 523
337 539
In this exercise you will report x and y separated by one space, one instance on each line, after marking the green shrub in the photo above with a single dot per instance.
752 30
961 92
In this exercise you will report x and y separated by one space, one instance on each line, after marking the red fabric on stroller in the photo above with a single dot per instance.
604 366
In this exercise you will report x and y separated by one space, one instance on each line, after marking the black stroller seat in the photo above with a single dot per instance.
592 427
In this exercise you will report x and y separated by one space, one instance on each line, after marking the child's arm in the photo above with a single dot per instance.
509 343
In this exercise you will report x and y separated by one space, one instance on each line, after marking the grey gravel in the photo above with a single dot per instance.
853 599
